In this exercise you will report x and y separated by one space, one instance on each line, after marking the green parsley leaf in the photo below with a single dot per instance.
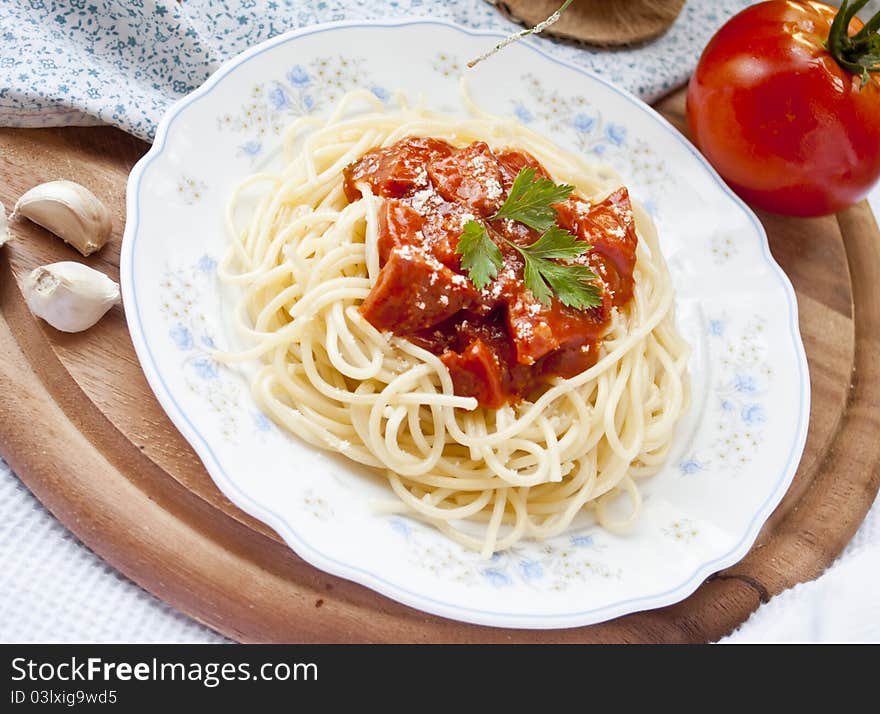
534 281
480 257
557 242
544 277
529 201
569 284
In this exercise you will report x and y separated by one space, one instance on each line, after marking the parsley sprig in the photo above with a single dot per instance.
529 202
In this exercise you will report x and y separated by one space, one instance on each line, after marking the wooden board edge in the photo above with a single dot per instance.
855 448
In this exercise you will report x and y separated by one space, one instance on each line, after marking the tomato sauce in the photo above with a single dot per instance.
500 343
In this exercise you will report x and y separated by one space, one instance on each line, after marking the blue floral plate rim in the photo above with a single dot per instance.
351 571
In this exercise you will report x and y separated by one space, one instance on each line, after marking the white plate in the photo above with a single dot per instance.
735 453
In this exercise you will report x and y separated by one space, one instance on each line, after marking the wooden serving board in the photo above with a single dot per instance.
80 426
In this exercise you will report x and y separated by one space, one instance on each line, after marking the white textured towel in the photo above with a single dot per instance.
841 606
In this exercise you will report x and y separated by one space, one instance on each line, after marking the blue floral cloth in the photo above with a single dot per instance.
123 62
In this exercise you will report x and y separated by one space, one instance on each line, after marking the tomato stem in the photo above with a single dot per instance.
859 54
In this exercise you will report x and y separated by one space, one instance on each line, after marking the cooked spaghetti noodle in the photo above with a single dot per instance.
305 258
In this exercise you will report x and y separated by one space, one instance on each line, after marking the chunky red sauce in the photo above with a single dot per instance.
500 343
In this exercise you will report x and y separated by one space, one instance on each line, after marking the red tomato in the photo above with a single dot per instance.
788 128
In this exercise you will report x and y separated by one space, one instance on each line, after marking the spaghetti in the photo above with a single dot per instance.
305 259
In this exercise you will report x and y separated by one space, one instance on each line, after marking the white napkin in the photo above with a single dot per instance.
54 589
842 606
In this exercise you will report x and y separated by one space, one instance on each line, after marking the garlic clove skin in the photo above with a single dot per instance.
4 225
70 211
69 296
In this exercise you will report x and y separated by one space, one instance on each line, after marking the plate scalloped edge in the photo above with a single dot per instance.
353 572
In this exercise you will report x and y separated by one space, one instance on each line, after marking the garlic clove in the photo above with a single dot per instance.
69 296
70 211
4 225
